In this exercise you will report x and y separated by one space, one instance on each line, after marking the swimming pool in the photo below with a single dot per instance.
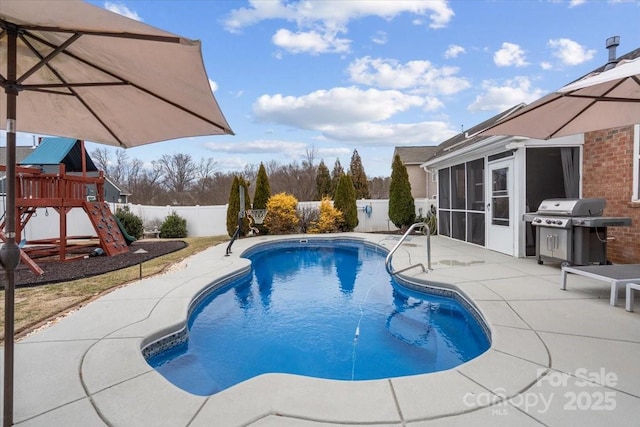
323 309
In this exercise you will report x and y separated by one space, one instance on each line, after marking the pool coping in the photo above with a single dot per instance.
102 376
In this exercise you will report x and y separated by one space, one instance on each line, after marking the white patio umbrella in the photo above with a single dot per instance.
72 69
598 101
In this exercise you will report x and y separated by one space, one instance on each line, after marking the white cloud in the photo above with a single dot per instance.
420 76
574 3
311 42
510 55
546 65
332 152
501 97
232 163
319 23
213 85
256 147
237 153
342 105
326 12
385 134
353 115
453 51
379 37
122 9
570 52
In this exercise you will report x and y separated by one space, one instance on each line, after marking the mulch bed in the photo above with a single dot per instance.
56 271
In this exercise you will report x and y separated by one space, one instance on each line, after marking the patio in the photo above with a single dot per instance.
557 357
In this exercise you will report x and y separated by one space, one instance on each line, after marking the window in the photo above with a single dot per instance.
500 197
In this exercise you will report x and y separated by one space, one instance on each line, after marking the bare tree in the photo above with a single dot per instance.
220 186
178 179
101 157
115 169
145 186
118 170
178 171
203 175
379 187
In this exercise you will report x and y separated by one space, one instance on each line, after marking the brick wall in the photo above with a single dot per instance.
608 173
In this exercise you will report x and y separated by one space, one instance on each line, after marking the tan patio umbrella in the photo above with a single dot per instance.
598 101
71 69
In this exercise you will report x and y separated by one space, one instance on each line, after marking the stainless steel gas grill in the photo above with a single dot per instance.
573 231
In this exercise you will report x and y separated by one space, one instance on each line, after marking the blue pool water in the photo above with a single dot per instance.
326 310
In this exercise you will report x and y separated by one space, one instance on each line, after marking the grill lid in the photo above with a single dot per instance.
572 207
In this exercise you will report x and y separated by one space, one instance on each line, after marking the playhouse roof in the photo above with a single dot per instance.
53 151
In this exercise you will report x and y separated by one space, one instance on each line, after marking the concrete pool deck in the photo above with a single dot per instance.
557 357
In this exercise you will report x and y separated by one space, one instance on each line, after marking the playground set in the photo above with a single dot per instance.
40 185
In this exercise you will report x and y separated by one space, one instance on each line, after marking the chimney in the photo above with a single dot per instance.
612 43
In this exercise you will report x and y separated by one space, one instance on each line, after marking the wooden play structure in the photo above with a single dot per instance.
63 191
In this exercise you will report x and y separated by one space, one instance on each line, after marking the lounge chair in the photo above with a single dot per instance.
630 288
617 275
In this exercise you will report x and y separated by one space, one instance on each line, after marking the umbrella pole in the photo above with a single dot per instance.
10 253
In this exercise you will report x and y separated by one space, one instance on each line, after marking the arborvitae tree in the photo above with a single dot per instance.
262 194
359 177
345 202
402 208
336 174
263 189
323 182
234 206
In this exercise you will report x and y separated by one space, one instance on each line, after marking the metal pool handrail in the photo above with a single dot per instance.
387 262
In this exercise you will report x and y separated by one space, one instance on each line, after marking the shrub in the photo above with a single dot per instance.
345 202
281 216
173 226
131 222
329 219
431 221
307 215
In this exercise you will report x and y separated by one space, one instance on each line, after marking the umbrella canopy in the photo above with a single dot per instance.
71 69
598 101
91 74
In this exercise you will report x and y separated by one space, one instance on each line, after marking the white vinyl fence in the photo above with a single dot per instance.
201 220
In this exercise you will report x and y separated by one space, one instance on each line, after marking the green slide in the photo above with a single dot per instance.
130 239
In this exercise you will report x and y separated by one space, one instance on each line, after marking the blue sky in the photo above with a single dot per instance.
339 75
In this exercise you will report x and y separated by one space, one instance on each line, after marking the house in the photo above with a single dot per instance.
412 158
22 151
611 169
113 193
486 183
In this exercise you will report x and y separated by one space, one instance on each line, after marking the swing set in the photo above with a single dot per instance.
62 192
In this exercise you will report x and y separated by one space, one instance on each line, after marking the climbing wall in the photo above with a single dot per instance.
111 238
